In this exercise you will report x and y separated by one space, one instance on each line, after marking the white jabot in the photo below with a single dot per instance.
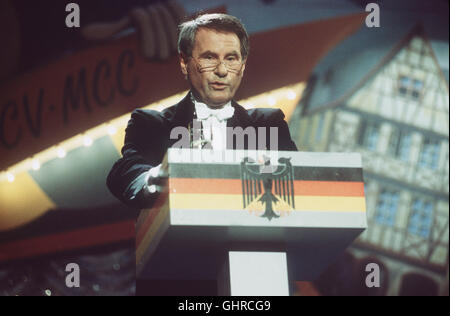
214 123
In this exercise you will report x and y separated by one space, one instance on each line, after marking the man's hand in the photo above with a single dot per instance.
156 180
154 183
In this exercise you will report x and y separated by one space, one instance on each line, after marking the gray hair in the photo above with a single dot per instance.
216 21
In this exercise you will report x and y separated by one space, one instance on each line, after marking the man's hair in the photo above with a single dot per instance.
216 21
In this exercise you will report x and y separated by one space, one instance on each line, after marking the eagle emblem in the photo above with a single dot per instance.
274 190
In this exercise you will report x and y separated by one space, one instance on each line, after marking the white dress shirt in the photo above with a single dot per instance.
214 123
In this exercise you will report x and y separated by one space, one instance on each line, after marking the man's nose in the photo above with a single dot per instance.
221 70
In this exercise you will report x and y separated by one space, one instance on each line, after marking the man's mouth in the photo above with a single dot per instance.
218 85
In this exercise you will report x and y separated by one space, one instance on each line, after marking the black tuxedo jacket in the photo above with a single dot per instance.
148 138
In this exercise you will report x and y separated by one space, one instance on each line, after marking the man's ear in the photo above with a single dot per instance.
243 66
183 64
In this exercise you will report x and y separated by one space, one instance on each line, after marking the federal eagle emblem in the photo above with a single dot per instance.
274 190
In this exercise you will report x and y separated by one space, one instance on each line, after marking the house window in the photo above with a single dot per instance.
429 155
421 219
369 135
387 206
417 88
410 87
400 144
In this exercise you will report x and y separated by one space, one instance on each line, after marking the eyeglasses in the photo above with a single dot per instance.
232 64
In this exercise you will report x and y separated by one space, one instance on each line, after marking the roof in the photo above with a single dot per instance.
343 69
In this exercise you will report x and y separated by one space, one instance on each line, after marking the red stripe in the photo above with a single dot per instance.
143 224
82 238
234 186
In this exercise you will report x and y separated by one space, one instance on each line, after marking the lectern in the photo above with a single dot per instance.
251 220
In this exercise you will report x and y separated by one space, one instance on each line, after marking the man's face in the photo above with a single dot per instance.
212 85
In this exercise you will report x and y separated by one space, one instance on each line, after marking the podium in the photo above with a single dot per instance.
252 220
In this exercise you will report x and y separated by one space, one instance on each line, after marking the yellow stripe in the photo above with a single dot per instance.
118 138
142 248
234 202
21 202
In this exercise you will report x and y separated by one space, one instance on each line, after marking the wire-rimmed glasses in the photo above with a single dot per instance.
232 64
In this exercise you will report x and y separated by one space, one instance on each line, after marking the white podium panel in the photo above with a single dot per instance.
258 273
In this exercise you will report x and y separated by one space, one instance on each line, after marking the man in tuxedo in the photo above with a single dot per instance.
213 52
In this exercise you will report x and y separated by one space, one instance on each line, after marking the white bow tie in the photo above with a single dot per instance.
204 112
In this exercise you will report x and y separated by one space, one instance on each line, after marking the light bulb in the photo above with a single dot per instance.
112 130
61 153
291 95
35 165
10 177
250 106
87 141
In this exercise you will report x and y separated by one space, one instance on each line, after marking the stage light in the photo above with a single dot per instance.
35 165
61 153
87 141
112 130
10 177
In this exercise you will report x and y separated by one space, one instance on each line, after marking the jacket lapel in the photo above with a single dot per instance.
239 119
184 112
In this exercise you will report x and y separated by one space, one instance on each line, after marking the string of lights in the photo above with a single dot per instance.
274 98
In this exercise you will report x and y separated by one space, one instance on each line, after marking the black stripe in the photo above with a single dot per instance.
210 171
